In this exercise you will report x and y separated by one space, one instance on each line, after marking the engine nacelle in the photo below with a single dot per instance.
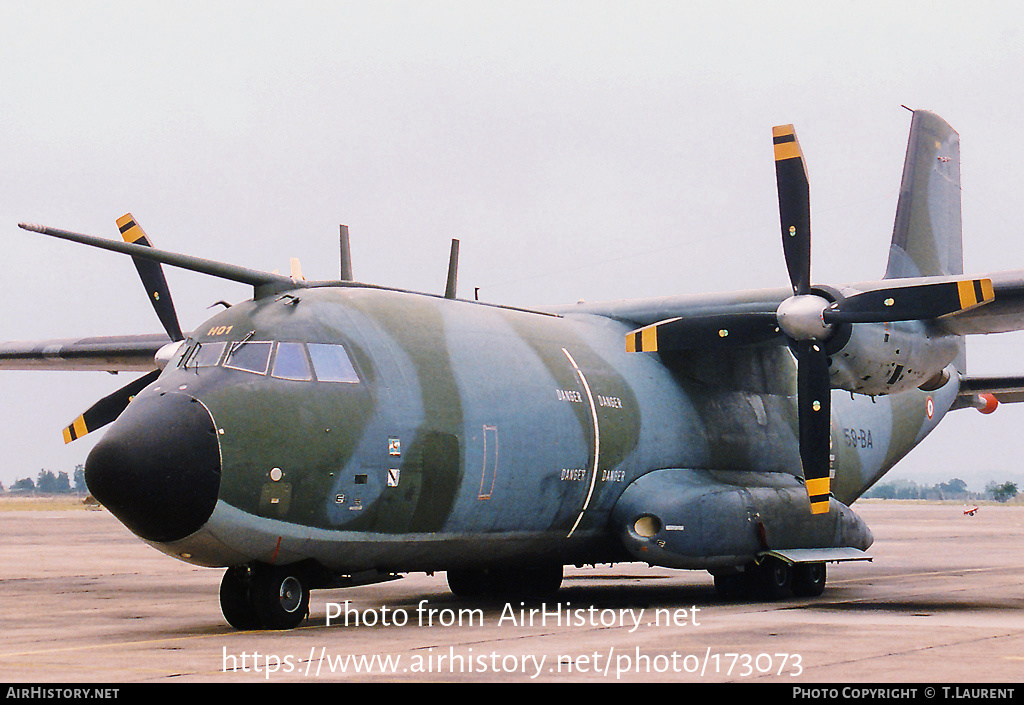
886 358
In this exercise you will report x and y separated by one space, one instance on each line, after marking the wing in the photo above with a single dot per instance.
959 305
125 353
644 312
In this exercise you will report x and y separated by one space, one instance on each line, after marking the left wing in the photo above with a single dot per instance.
140 353
122 353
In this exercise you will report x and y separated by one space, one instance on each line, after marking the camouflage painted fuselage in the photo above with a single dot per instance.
472 435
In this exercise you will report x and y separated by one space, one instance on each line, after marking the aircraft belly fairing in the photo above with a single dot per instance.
698 519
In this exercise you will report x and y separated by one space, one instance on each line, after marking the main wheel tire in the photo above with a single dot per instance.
733 585
774 579
468 583
809 579
535 581
280 596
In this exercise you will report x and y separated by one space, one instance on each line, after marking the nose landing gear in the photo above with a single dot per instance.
261 596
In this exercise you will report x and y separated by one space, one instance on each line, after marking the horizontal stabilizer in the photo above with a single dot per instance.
1004 313
985 393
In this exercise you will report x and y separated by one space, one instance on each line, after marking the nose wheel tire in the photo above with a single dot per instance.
234 599
264 597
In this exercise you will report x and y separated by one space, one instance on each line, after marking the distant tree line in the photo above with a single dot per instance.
47 482
955 489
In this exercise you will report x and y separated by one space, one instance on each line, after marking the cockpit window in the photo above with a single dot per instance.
250 356
203 355
304 362
331 363
291 362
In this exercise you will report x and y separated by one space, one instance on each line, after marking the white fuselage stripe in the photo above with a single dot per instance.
597 440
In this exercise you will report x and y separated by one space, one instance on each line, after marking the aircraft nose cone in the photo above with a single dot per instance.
157 469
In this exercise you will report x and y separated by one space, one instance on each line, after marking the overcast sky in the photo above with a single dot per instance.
579 150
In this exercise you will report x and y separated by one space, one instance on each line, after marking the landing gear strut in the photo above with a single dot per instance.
261 596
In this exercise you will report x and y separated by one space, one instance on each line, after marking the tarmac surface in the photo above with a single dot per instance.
82 600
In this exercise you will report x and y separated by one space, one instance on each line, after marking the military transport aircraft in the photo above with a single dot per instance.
333 433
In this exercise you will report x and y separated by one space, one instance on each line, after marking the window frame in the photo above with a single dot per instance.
311 373
238 345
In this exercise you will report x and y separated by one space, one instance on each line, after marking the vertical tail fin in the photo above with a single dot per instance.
927 239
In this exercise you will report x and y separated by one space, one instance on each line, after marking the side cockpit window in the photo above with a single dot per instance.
332 363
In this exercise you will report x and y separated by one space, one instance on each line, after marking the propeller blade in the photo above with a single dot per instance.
714 331
814 392
794 207
107 409
152 275
908 303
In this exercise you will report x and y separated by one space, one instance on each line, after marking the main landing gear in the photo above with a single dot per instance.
261 596
772 579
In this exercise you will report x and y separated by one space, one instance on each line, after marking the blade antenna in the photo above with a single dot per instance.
346 256
453 271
